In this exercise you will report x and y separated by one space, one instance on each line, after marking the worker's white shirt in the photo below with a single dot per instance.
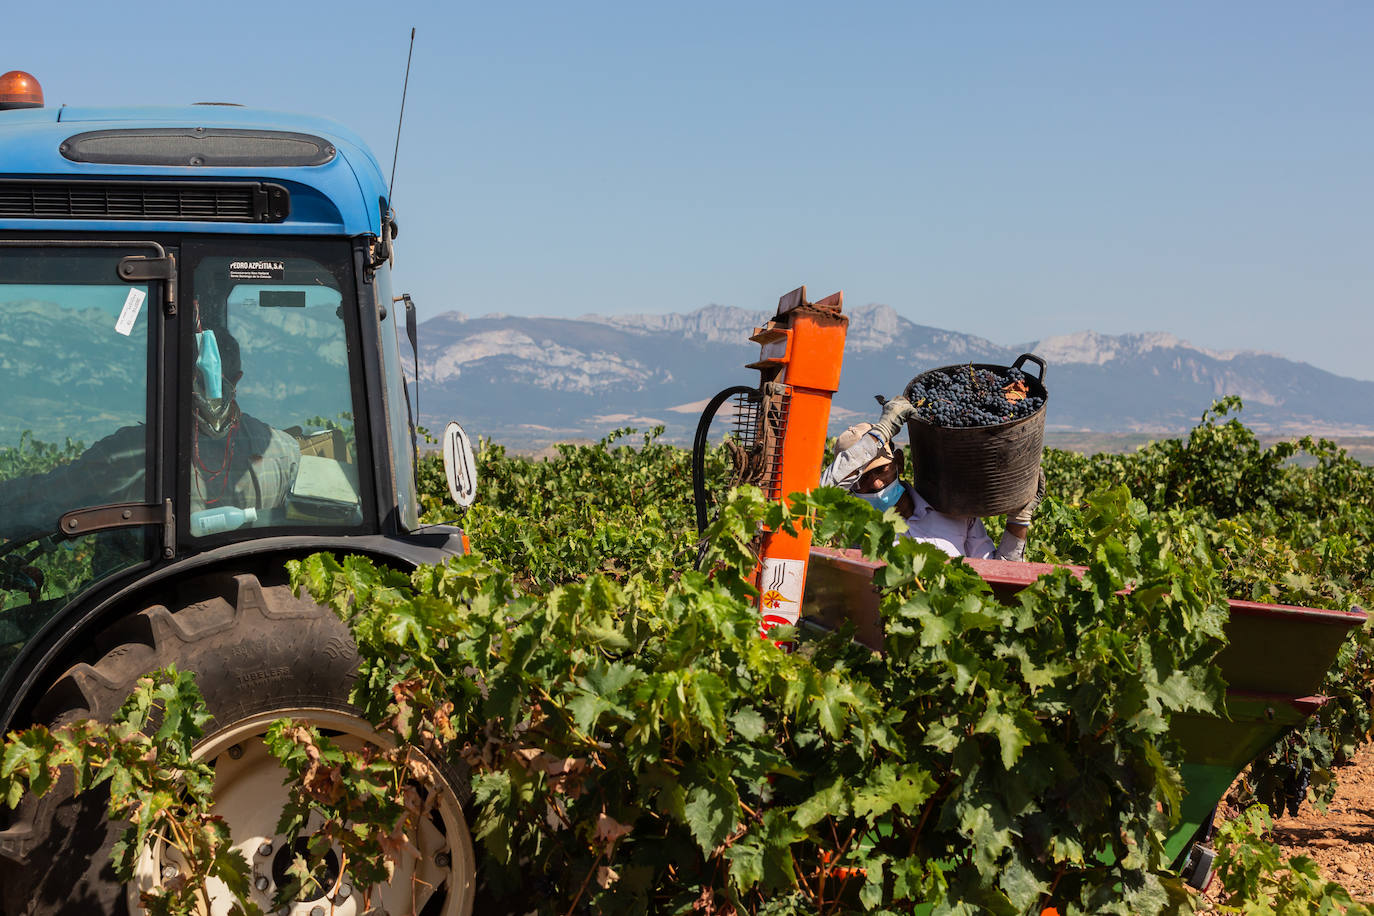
958 536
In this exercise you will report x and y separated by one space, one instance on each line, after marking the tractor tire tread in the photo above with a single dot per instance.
255 647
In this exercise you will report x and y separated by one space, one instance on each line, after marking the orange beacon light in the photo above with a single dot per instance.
19 90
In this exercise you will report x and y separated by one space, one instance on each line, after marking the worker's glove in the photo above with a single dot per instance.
1010 547
895 414
1023 515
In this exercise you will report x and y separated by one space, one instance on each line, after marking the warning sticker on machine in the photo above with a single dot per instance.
257 270
780 581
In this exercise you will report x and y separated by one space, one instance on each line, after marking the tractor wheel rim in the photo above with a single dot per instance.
249 795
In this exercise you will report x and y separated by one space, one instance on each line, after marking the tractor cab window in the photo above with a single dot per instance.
271 442
75 350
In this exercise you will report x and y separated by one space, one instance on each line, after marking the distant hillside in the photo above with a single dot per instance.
527 381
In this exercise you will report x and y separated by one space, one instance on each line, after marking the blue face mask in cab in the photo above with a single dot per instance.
208 364
885 498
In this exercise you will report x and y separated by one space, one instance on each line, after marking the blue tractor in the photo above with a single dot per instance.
201 377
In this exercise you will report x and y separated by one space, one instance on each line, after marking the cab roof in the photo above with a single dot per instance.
343 195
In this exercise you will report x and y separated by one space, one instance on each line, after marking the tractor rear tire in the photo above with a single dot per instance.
258 653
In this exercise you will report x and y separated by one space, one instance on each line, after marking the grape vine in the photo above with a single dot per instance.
635 748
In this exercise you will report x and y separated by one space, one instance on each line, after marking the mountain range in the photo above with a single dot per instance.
527 381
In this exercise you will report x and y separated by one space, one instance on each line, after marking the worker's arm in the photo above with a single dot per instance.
844 470
1012 546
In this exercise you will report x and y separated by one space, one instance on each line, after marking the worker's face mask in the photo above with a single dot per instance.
209 366
213 394
885 498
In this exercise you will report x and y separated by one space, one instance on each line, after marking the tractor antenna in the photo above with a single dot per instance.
406 85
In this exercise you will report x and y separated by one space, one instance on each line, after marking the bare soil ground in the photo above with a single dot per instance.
1341 840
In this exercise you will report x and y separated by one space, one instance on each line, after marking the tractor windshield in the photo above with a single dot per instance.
259 412
268 385
75 351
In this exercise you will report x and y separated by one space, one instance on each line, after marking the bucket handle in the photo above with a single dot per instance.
1021 360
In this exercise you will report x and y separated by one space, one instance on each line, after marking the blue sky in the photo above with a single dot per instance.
1004 169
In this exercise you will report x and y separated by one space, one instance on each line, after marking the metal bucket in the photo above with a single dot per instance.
980 470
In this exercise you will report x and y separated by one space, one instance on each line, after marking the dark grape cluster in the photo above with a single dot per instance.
1297 779
973 397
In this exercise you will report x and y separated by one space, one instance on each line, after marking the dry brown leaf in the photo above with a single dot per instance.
609 830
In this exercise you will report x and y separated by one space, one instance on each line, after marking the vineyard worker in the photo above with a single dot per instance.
869 467
236 460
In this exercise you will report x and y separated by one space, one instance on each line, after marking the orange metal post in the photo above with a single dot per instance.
802 352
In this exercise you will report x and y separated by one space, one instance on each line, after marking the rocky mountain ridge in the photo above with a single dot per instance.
1090 347
529 380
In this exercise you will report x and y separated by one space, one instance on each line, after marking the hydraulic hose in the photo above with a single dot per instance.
699 445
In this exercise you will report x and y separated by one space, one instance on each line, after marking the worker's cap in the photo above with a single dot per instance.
851 436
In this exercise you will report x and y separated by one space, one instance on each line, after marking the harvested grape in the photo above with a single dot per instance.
972 396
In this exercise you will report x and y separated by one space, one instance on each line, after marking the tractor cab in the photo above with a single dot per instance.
200 350
203 365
